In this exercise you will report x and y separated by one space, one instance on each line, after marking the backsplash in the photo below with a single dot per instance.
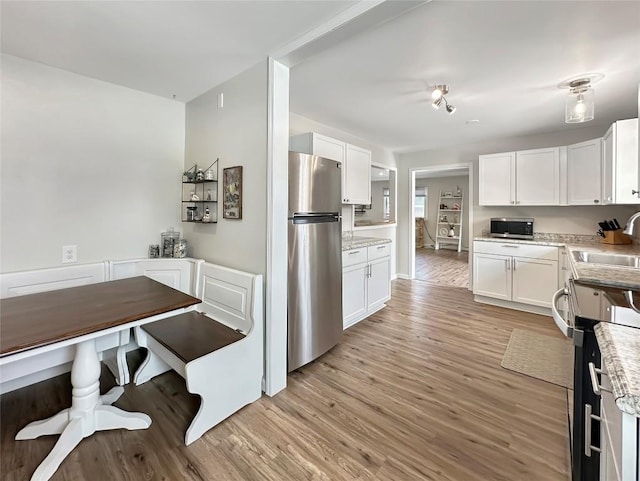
565 238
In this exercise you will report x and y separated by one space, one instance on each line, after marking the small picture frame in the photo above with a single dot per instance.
447 194
232 192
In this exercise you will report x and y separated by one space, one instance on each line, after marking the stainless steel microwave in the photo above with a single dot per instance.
511 228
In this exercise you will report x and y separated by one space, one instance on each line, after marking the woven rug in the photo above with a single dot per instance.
543 357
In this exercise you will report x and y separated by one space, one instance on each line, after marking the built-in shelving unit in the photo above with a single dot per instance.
449 222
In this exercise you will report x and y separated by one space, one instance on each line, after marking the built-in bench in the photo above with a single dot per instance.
217 348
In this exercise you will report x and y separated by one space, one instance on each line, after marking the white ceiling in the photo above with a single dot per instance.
167 48
502 60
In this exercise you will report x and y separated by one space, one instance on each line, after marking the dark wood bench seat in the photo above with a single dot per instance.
192 335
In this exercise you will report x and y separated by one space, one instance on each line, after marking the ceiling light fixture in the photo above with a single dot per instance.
438 96
580 103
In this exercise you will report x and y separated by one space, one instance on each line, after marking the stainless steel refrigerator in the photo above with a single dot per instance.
315 258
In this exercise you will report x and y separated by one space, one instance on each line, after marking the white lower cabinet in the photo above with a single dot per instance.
619 434
516 273
366 282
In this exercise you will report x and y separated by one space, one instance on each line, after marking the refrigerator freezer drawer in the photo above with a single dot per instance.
314 290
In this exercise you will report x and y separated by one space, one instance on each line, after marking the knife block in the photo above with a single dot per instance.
616 237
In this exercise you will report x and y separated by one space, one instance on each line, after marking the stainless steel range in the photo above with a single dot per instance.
588 306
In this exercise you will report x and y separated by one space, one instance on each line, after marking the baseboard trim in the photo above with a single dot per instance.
518 306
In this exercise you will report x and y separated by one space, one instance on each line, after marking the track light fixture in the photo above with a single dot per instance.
438 96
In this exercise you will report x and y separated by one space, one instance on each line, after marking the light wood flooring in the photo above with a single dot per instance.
444 266
414 392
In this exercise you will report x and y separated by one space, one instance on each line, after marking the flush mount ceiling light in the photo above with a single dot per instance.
438 93
580 103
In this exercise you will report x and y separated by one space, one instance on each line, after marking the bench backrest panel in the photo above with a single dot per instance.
43 280
228 295
176 273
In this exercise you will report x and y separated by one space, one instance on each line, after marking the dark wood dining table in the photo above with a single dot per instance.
36 323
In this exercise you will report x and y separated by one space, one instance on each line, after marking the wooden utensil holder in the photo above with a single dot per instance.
616 237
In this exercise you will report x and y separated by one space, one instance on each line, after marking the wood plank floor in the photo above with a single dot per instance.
446 267
414 392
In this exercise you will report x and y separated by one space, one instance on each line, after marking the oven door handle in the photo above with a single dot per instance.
563 324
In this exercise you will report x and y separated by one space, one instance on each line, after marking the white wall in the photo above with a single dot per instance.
84 162
445 184
237 134
570 220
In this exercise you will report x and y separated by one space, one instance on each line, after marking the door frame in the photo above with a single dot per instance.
412 220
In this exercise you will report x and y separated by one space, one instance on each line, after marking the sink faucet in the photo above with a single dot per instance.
629 228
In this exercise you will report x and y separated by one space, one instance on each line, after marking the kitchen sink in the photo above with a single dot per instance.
608 259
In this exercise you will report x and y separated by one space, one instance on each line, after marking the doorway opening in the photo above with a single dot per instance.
442 221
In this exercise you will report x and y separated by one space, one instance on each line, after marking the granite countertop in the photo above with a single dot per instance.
604 275
585 272
620 349
538 242
356 242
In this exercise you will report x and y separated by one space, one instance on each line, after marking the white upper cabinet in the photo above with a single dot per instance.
496 175
320 145
620 163
538 176
584 173
356 163
528 177
356 176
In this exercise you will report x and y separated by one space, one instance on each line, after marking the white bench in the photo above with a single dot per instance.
217 348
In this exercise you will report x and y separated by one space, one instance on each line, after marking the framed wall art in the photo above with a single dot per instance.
232 191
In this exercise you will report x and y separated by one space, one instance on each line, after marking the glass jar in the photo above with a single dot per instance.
168 240
154 251
180 248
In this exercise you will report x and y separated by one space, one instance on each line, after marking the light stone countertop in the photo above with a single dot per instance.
604 275
356 242
620 349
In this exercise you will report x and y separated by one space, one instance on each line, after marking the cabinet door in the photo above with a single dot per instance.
496 179
379 285
492 276
608 179
534 281
584 173
328 148
620 163
538 177
356 176
354 293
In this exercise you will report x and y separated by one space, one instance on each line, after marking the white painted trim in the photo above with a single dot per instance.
275 349
518 306
402 276
336 22
412 223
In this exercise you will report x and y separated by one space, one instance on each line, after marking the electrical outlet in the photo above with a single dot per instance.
69 254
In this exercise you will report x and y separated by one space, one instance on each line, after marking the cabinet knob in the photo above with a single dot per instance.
634 191
513 202
596 201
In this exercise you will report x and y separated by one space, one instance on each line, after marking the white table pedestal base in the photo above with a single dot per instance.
89 412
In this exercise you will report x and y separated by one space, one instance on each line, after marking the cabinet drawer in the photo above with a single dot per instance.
517 250
354 256
376 252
